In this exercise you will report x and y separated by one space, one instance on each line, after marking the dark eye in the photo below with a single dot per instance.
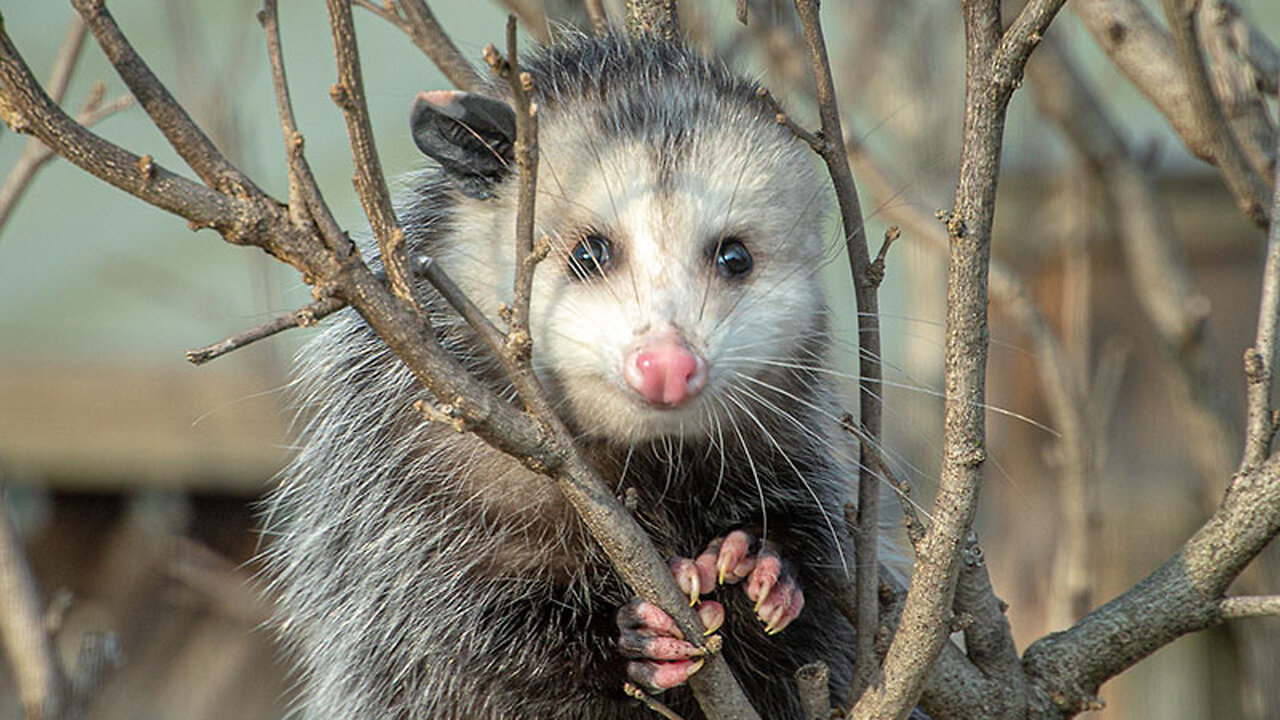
590 257
733 260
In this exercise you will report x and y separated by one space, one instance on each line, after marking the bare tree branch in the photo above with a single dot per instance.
1249 190
993 70
1260 360
302 317
831 148
170 118
35 155
1234 608
1236 86
1181 596
370 183
1142 50
1156 263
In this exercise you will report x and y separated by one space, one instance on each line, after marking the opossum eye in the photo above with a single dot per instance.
590 257
733 260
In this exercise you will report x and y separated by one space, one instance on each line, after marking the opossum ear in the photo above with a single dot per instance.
470 135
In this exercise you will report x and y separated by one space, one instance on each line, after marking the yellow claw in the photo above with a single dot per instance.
695 589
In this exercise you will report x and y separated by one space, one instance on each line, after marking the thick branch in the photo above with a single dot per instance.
35 155
993 67
1183 595
26 108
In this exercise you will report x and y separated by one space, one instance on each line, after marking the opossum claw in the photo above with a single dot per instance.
731 558
688 577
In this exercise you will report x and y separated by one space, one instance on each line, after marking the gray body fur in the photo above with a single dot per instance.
422 574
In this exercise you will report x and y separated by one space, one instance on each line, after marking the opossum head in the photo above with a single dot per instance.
685 228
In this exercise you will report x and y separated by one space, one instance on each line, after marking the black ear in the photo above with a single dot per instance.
470 135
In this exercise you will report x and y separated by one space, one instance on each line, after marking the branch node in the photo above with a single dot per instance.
541 249
341 96
520 345
875 273
496 62
444 413
147 168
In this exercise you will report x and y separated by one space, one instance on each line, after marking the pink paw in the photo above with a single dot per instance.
660 657
740 556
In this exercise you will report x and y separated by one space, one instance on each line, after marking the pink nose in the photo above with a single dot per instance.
664 371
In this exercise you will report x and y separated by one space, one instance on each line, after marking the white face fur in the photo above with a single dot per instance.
665 222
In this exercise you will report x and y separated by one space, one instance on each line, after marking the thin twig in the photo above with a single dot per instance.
519 343
65 63
1249 190
370 183
1260 360
783 118
533 18
302 317
306 202
1235 608
649 701
866 538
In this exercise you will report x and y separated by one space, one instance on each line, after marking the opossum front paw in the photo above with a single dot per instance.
660 657
741 556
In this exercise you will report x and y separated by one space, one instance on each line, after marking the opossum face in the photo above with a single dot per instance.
682 278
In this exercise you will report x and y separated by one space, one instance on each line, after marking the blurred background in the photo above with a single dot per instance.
133 477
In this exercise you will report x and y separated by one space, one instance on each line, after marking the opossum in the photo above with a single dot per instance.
681 331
